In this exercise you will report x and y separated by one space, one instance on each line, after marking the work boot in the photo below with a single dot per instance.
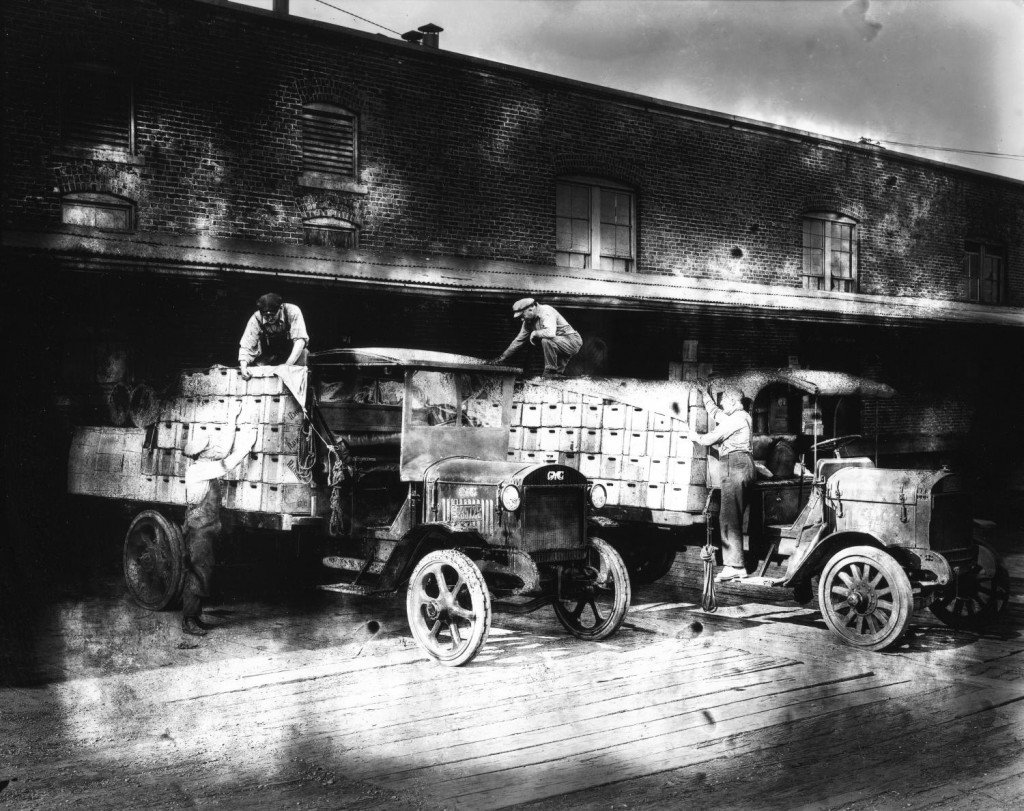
190 625
730 573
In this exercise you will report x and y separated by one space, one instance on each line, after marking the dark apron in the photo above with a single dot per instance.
275 341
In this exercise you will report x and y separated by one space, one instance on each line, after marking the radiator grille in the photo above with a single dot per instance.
553 518
952 523
469 513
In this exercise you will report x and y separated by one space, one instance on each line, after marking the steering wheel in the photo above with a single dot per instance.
836 443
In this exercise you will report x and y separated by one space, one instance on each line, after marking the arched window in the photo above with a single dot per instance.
595 224
331 232
830 252
108 212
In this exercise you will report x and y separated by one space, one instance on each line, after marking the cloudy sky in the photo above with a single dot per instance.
939 73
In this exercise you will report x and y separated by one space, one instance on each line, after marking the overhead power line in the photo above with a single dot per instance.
371 22
954 149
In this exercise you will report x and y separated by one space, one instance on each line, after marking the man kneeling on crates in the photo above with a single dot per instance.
541 322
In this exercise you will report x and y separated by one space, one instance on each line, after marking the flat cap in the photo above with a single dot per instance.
269 303
522 304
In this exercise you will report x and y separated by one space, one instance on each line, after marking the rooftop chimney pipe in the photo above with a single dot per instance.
412 36
430 35
281 7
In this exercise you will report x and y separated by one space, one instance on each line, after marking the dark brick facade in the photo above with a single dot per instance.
460 157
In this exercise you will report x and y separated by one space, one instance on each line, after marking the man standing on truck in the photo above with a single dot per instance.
541 322
203 498
736 453
275 334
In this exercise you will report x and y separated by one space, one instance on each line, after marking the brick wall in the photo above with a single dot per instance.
460 157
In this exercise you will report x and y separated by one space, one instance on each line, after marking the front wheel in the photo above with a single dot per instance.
595 598
448 607
976 597
866 598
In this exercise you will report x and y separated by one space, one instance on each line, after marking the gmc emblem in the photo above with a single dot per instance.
556 475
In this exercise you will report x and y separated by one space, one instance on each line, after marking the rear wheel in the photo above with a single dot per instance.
975 598
596 597
154 568
650 564
448 607
866 598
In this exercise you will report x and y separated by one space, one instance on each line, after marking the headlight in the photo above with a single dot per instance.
598 496
511 498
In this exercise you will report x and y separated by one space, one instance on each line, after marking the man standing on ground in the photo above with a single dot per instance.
541 322
203 497
275 335
733 436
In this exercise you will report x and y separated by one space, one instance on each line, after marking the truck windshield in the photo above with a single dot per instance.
455 399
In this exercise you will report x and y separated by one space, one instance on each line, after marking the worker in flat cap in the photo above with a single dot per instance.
542 322
275 334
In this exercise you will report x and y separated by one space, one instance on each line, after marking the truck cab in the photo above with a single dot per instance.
423 497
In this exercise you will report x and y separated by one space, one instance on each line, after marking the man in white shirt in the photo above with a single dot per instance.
733 436
203 498
541 322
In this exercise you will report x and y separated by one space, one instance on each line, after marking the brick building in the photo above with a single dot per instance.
166 162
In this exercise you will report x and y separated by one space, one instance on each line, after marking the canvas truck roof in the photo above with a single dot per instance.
409 358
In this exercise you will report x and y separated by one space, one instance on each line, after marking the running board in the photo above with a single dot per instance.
353 564
349 588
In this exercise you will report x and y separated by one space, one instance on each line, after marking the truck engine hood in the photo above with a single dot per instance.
477 471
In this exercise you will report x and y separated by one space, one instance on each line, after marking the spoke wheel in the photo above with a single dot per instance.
595 598
866 598
448 606
651 564
975 598
154 561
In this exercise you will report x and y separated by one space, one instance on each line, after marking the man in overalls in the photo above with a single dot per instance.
275 334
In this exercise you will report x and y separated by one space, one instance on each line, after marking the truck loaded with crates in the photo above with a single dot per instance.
440 475
877 544
396 462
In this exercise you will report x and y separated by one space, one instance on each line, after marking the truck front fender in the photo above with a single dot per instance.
423 539
803 565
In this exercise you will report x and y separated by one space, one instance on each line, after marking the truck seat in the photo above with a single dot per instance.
826 467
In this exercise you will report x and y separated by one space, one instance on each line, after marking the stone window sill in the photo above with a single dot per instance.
322 180
99 154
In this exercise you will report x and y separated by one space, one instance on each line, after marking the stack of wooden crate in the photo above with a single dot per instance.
107 461
270 479
644 458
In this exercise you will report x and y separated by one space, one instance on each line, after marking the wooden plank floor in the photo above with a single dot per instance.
327 703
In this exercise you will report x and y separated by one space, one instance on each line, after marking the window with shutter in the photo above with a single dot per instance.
983 268
830 253
329 140
594 225
96 107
